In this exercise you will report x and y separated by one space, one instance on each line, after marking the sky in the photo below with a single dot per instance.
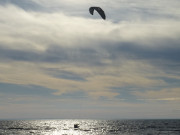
59 61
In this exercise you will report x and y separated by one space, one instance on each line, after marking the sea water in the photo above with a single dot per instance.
90 127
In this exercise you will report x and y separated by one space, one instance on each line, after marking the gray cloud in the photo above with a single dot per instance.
14 89
24 4
125 11
167 54
168 51
64 74
18 55
54 54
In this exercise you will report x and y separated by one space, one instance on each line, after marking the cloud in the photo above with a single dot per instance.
34 107
69 53
24 90
99 81
166 94
47 37
29 5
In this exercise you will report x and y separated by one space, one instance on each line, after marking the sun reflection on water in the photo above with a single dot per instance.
66 127
90 127
64 132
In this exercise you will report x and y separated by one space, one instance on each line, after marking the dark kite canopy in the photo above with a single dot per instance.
99 10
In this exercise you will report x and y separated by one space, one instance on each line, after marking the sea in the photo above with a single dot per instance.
89 127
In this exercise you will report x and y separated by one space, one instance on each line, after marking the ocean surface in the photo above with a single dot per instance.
89 127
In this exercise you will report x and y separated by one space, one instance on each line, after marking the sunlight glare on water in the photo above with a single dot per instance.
66 127
90 127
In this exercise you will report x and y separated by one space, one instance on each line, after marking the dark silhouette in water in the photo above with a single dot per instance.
99 10
76 126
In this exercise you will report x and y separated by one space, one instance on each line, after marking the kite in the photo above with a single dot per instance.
99 10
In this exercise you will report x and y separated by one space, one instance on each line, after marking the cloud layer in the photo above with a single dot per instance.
59 46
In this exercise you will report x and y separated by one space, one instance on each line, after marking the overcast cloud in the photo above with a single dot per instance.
130 60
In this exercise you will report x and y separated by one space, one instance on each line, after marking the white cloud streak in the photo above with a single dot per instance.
171 94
